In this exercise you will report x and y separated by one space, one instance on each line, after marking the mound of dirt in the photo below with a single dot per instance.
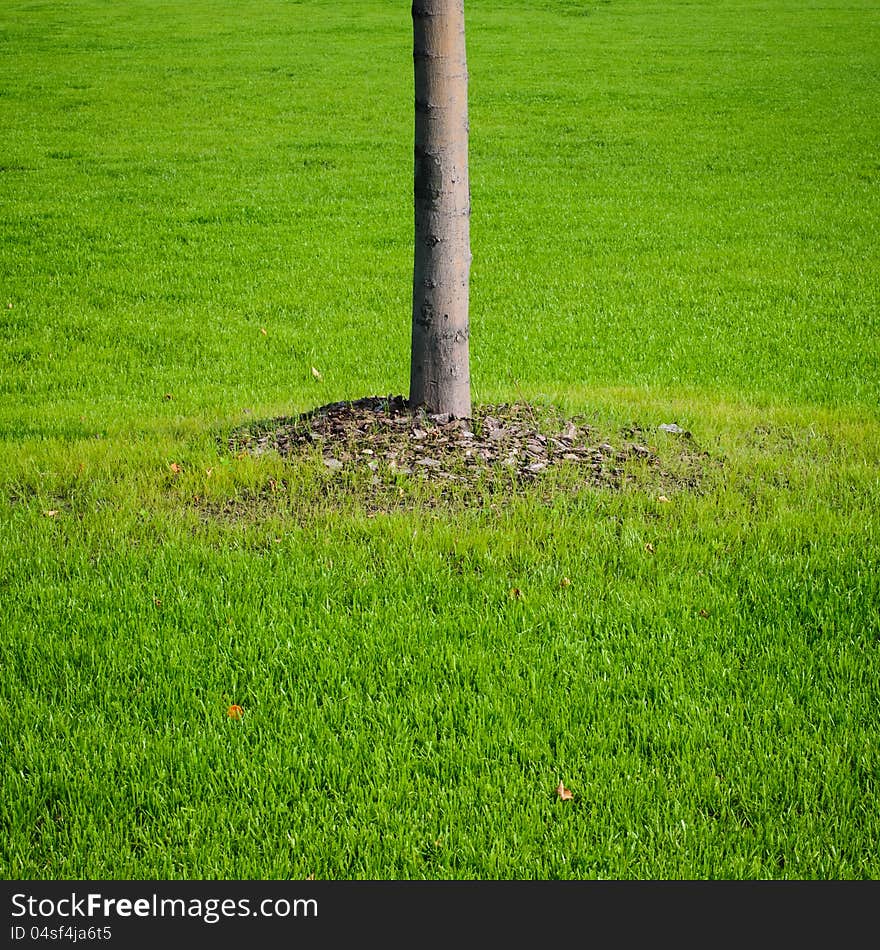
384 435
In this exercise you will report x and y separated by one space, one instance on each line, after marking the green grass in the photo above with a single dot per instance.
674 219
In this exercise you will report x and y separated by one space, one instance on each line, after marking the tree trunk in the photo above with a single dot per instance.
439 369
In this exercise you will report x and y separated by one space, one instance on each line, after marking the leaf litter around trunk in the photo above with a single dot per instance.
380 443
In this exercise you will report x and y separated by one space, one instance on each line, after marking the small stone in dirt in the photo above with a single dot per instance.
673 429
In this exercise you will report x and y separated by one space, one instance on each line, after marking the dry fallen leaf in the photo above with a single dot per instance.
316 374
565 582
662 498
704 613
564 793
209 472
51 512
516 593
175 468
235 712
263 331
649 548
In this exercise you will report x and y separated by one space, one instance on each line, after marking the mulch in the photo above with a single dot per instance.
385 436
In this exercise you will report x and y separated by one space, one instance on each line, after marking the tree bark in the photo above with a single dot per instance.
439 368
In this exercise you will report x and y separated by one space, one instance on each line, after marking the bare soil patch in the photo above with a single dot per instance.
512 444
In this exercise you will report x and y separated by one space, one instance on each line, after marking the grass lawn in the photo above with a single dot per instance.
675 210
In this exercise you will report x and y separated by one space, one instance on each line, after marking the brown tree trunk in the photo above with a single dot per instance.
439 369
